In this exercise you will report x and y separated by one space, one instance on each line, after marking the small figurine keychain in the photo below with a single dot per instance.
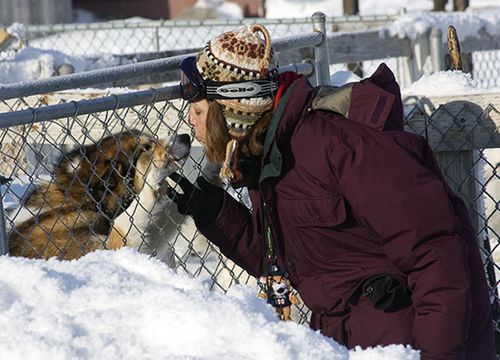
274 283
275 287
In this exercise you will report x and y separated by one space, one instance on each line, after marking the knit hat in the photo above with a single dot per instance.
239 56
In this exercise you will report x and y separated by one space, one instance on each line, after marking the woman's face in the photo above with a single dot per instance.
198 112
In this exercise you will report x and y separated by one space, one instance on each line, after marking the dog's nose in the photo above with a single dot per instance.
280 290
180 145
183 139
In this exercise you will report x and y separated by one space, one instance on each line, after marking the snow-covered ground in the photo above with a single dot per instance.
125 305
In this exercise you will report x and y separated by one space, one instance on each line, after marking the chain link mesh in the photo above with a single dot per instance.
466 139
122 38
121 42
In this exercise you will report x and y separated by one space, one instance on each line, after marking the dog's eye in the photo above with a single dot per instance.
148 146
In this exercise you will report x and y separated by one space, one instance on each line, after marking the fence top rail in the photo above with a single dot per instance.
89 78
111 102
84 107
127 24
130 71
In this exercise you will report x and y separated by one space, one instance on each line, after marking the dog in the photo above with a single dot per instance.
100 196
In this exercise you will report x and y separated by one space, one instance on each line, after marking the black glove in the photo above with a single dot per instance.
203 201
386 292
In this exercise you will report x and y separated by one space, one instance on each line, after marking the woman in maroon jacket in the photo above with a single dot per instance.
352 208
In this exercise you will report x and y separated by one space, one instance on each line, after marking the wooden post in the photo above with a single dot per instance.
454 49
460 5
439 5
458 61
262 8
351 7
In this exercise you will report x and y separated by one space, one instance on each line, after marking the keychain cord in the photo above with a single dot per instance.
267 234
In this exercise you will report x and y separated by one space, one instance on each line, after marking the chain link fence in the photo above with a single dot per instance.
464 136
131 37
120 42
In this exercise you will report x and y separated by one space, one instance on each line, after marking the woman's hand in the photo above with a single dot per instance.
202 200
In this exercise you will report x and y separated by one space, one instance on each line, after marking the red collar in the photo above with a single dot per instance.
285 79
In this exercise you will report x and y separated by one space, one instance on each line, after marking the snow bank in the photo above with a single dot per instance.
124 305
447 83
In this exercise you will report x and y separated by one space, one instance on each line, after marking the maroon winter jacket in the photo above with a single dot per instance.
352 195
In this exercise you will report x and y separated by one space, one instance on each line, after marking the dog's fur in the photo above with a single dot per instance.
100 196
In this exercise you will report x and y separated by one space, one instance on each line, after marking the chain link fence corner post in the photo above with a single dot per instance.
4 245
321 58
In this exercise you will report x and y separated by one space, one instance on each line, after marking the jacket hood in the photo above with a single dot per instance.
374 102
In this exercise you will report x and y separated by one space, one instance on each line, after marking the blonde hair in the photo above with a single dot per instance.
217 135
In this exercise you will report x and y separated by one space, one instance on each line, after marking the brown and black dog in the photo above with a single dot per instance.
100 196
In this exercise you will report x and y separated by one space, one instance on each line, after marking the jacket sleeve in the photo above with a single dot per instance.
394 193
235 233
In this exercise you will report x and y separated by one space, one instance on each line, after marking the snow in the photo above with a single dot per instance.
342 77
125 305
30 63
467 23
17 30
446 83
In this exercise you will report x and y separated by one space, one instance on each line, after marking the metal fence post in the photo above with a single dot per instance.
321 58
4 245
436 50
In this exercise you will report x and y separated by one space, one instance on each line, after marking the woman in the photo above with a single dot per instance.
352 208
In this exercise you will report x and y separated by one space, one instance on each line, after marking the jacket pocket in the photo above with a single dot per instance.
323 212
311 227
